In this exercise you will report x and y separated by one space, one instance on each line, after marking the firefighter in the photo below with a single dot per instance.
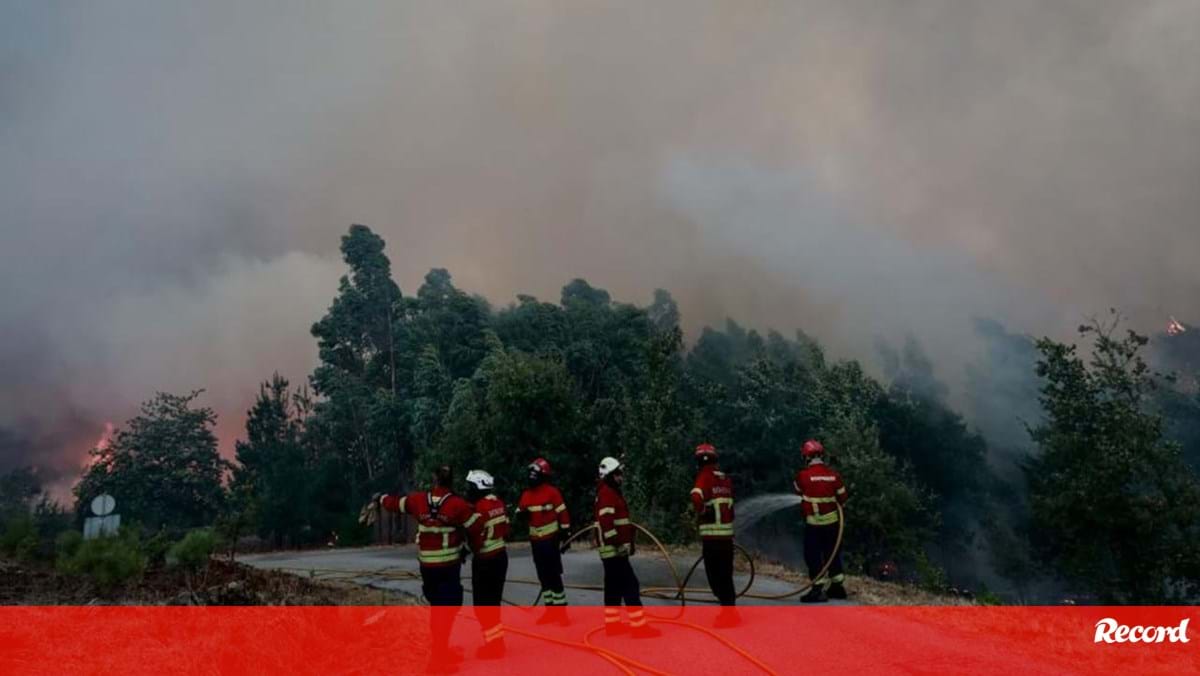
549 530
616 536
712 500
441 516
822 490
487 530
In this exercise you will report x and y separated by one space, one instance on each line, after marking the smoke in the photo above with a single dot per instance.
175 175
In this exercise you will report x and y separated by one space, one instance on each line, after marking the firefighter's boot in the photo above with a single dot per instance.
646 631
814 595
616 629
836 591
492 650
727 617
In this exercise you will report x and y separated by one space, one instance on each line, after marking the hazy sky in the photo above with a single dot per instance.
174 177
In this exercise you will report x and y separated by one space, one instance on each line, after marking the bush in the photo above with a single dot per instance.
156 548
107 561
20 538
193 551
67 543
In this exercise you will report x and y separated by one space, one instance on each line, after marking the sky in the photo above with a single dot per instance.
174 177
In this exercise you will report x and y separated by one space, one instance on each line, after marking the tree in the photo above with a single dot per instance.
270 482
19 489
1115 510
892 513
163 467
360 417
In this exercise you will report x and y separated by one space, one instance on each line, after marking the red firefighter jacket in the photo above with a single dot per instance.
546 509
441 517
821 487
712 498
612 515
487 528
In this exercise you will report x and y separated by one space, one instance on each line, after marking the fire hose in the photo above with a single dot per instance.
680 591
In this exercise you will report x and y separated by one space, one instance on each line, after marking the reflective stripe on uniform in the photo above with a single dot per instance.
819 500
609 551
539 531
607 510
621 522
438 555
821 519
610 533
446 553
491 544
493 633
540 508
560 508
472 520
637 618
718 527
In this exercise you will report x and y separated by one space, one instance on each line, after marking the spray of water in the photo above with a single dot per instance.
750 512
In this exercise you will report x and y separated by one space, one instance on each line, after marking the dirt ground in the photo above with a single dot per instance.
224 583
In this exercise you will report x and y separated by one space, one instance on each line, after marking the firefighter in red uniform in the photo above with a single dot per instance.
616 536
487 530
712 501
822 490
441 516
549 530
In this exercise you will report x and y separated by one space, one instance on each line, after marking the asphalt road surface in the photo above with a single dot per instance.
826 638
581 566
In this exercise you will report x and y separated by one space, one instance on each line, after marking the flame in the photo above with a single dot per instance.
105 438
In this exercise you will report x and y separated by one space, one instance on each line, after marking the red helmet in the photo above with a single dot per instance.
705 451
540 466
812 448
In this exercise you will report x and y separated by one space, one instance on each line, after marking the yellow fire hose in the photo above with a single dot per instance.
680 591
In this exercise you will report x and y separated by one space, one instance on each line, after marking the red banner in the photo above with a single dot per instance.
841 640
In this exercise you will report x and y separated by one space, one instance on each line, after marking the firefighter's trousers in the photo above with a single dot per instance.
487 586
818 547
548 561
718 567
443 590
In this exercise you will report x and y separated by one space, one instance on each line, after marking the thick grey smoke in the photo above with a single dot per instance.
174 176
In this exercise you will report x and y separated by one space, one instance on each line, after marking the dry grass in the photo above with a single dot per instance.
862 589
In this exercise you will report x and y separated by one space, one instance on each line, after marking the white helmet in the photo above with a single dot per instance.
608 466
481 480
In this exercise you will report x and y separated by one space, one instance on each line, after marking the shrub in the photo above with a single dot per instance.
193 551
20 538
107 561
156 548
67 543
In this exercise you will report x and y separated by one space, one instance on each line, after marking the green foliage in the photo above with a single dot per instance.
271 481
163 467
1115 509
67 544
193 552
19 537
19 488
893 515
108 562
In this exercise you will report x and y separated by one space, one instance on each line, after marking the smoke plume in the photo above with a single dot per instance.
175 176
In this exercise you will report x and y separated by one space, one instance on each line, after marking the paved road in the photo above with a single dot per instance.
582 566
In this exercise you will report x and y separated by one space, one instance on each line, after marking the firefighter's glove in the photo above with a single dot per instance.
564 541
370 511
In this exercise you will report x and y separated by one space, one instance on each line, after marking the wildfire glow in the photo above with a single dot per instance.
105 438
